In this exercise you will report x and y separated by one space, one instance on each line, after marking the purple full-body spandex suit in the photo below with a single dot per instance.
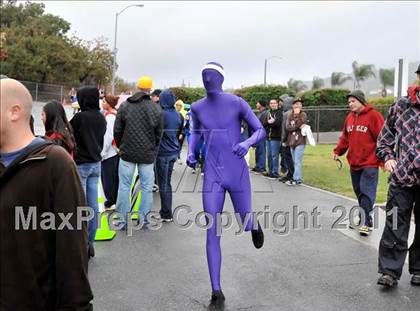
218 116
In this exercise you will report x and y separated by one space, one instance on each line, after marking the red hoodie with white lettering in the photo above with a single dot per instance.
359 137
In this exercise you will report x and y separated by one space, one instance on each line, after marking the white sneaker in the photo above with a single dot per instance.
364 231
291 183
111 208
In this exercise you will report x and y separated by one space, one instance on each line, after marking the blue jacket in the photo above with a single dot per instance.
172 124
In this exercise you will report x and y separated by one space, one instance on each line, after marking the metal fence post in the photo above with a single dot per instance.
61 94
317 125
36 92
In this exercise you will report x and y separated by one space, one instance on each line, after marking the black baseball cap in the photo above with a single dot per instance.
156 92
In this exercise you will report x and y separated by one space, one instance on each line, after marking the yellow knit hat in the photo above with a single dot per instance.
145 82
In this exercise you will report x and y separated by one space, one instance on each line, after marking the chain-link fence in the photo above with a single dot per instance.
43 92
330 119
326 121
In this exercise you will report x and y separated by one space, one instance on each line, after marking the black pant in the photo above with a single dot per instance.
287 161
164 168
109 178
393 247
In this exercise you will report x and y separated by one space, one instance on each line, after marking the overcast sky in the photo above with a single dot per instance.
171 41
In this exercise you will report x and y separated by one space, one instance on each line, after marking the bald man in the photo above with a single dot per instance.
43 237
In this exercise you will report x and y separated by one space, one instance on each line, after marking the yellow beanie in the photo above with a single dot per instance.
145 82
179 102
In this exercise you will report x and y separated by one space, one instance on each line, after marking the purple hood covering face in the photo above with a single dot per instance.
213 80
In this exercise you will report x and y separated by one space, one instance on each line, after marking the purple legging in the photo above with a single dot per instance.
218 117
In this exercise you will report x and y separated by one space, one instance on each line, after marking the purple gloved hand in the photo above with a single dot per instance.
191 160
241 149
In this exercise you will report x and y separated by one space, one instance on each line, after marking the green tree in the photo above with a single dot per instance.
188 95
97 62
317 83
361 73
338 79
387 79
253 94
296 85
122 86
39 50
3 52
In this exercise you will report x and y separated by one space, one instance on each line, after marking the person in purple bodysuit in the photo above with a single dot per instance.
218 117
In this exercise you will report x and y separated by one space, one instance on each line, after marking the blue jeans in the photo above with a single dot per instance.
297 155
164 167
89 176
365 183
273 149
125 174
260 156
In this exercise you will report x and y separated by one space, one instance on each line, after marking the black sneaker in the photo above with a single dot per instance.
283 179
217 298
270 176
258 237
91 251
387 280
415 280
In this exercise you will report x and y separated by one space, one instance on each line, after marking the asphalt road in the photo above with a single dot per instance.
302 269
297 269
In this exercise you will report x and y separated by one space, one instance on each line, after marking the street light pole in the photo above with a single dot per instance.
114 64
265 67
265 72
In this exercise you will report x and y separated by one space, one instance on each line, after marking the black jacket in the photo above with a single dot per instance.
42 270
138 129
274 130
89 127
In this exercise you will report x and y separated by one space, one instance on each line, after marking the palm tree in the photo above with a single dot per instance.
339 78
296 85
317 83
387 78
361 73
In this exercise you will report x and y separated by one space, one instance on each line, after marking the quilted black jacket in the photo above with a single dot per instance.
138 129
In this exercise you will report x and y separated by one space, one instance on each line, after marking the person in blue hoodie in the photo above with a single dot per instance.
167 152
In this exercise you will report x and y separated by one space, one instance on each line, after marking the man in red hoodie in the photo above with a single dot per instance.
361 129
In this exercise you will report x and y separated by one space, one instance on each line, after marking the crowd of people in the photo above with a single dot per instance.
280 155
110 142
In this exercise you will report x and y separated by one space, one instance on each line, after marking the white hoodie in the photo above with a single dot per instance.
108 149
